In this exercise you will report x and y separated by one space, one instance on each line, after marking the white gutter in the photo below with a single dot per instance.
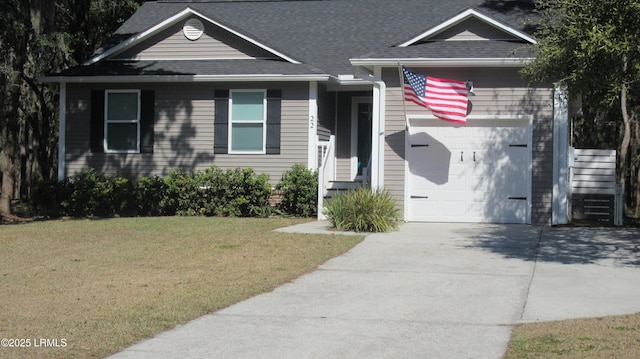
444 62
379 110
183 78
62 132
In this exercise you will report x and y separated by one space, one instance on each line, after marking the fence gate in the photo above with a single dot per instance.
595 194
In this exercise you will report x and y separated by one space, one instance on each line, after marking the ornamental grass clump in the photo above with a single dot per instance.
363 210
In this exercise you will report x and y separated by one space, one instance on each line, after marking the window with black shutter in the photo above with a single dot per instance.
247 121
122 121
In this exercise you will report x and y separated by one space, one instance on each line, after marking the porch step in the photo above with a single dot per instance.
343 185
338 187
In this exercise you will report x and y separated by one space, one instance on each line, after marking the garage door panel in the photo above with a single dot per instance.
450 211
441 181
470 173
454 208
423 208
500 210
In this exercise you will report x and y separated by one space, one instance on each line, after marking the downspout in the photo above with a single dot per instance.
62 133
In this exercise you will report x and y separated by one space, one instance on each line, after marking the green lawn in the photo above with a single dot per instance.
102 285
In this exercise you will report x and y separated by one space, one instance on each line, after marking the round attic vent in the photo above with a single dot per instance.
193 29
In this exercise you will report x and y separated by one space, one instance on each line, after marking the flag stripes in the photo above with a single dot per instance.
447 99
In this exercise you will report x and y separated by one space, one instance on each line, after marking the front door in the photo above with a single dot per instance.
361 136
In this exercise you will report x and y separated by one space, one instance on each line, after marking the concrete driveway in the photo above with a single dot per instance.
426 291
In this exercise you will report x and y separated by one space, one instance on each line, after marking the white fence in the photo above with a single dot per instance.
595 193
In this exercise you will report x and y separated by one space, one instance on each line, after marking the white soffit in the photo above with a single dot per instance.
462 17
134 40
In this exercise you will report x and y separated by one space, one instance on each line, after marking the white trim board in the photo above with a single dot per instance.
183 78
443 62
173 20
462 17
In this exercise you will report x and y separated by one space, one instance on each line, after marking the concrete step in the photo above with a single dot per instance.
340 187
343 185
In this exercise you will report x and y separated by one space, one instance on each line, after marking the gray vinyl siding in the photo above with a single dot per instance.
171 44
472 29
184 132
498 91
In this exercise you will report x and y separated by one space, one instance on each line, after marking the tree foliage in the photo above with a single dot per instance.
38 37
593 47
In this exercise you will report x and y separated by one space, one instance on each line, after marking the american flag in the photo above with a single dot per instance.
447 99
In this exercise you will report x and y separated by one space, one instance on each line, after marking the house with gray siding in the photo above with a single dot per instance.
267 84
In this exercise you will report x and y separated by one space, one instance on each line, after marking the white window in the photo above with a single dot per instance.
122 121
248 116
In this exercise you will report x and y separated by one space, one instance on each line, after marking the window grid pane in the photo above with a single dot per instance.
122 107
122 136
248 106
247 137
122 121
247 121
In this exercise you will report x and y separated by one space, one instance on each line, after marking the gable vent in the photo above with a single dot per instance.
193 29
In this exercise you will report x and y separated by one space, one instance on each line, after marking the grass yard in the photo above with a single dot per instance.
609 337
93 287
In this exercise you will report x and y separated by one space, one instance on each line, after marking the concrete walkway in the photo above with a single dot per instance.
426 291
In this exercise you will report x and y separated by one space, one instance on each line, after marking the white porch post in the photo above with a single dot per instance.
560 155
62 133
377 131
312 153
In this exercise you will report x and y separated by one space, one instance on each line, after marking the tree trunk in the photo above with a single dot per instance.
9 144
624 146
626 136
8 181
635 165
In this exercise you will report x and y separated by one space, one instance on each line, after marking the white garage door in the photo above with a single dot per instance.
479 172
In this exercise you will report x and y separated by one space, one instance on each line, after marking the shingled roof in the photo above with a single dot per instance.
324 35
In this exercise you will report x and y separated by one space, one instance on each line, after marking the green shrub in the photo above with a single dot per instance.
83 198
363 210
182 194
212 192
115 196
150 191
299 187
243 193
89 193
48 196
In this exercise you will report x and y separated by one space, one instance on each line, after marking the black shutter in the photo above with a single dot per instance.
274 100
96 139
221 122
147 116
